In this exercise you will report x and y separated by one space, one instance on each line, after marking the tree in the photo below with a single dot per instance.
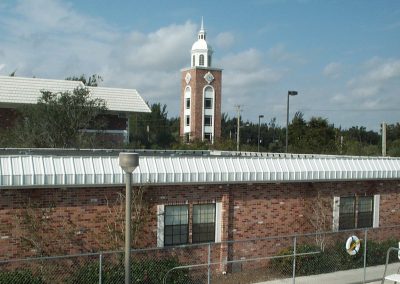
57 120
92 81
154 130
297 132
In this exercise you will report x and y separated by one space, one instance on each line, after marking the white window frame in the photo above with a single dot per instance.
336 212
160 223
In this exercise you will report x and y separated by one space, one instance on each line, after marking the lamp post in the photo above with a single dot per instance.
259 120
290 93
128 162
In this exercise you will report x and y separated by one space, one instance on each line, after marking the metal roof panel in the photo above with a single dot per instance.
36 170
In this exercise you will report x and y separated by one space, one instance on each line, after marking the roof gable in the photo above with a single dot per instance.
19 90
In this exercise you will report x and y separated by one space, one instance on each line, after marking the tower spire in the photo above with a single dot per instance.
202 31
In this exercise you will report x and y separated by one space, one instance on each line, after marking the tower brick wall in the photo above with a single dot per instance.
197 85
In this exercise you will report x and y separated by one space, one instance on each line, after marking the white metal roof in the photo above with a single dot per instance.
20 90
42 170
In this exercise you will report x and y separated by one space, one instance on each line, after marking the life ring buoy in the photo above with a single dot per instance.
353 245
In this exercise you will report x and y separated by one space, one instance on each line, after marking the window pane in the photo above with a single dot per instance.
188 103
365 204
207 103
203 223
365 211
168 240
176 225
201 60
208 120
347 213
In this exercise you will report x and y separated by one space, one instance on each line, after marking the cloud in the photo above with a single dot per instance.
280 54
246 77
377 75
385 71
63 42
339 98
332 70
2 66
163 49
376 86
29 20
224 40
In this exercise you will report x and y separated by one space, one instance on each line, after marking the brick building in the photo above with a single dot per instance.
200 112
121 103
189 198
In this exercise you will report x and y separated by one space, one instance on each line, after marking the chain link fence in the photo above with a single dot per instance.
287 259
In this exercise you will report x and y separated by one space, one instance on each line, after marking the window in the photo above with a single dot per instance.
365 212
207 103
187 120
203 229
352 212
188 103
347 213
207 136
176 229
194 61
209 60
173 224
201 60
207 120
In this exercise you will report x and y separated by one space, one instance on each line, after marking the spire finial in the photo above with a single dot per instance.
202 25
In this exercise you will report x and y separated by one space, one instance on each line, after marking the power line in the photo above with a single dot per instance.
354 109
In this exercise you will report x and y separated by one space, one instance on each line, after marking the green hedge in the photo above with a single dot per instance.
334 258
19 277
146 271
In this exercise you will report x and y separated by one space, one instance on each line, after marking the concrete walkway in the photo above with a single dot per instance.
342 277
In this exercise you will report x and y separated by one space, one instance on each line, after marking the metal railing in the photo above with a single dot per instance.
287 258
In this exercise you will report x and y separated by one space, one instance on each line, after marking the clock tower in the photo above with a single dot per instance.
200 115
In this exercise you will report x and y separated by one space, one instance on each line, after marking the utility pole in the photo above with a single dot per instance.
259 127
384 139
238 127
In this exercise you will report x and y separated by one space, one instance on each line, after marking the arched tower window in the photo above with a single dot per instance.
194 61
201 60
209 61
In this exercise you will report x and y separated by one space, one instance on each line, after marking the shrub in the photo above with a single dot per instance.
376 252
19 277
146 271
334 258
305 264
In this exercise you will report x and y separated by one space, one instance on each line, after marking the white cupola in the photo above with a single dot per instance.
201 51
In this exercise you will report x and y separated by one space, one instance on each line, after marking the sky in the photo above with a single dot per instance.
341 56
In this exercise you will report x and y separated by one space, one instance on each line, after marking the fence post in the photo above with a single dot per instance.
365 253
294 259
100 268
209 265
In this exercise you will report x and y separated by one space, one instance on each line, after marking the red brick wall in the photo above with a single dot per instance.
75 219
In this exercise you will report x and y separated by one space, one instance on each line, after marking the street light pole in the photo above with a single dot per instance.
128 162
290 93
259 119
238 128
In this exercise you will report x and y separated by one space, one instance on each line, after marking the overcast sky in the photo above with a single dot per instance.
343 57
